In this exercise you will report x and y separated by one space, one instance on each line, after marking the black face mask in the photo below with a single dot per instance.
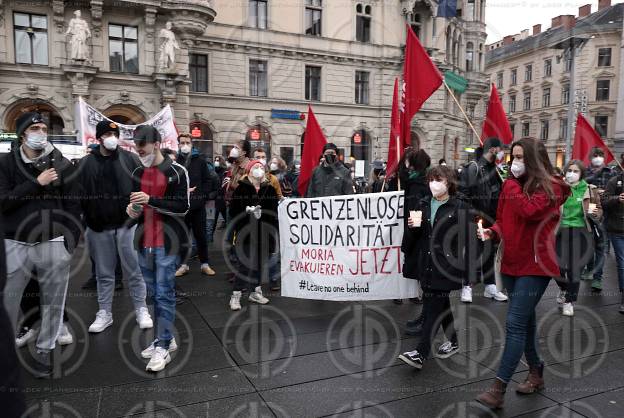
330 158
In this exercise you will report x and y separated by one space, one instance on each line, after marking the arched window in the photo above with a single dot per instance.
469 56
49 113
417 23
202 138
125 114
259 137
363 23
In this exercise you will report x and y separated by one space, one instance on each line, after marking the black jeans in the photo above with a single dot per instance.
575 248
195 221
437 312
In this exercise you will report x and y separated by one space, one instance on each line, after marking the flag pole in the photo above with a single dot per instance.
468 120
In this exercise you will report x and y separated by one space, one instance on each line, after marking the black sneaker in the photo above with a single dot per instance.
42 365
412 358
447 349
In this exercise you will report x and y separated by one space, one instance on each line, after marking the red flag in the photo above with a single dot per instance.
395 133
313 144
586 138
421 78
496 123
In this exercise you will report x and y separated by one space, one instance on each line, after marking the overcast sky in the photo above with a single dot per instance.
508 17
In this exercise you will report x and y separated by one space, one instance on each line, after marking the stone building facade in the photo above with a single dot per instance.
534 79
247 68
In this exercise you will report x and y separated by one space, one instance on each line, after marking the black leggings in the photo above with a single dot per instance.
437 312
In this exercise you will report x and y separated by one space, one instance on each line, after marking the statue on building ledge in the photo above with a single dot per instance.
167 61
79 34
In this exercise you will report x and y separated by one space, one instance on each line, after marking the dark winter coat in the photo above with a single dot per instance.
614 209
480 186
416 189
106 185
266 197
333 180
198 176
34 213
437 255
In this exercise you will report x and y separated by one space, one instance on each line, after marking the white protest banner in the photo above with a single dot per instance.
344 248
89 117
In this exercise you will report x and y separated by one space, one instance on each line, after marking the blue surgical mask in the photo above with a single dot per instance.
36 140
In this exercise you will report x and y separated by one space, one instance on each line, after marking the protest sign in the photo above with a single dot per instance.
344 248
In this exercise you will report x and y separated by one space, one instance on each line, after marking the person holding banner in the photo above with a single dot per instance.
158 204
438 229
527 217
331 178
253 211
106 180
613 203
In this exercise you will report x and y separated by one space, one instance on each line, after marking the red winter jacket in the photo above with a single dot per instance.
527 226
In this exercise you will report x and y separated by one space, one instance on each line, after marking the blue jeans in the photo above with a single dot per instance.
617 241
596 264
158 270
520 330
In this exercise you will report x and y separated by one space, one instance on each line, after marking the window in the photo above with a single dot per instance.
363 23
312 83
198 67
526 127
565 94
546 98
258 14
547 68
602 90
512 103
258 78
514 77
288 155
123 48
568 63
563 128
604 57
602 125
499 80
528 73
361 87
31 38
470 56
512 127
527 101
544 130
313 13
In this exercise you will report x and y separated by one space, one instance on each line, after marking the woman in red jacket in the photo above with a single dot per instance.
527 217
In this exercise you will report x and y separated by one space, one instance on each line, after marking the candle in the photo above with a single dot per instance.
481 232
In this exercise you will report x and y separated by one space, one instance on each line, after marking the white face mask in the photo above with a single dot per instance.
185 149
228 165
298 167
36 140
263 161
407 165
500 155
438 188
572 178
274 167
235 153
148 160
110 142
517 168
597 161
258 173
217 164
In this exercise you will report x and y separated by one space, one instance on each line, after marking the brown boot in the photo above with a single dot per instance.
534 381
494 396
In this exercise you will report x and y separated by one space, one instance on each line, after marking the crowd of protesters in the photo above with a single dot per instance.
143 215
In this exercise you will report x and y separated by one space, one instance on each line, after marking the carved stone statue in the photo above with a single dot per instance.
79 34
167 49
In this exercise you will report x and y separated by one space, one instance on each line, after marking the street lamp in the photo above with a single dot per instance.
572 46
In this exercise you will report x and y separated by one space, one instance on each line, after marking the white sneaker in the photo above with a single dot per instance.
561 297
24 336
102 321
64 337
182 270
568 309
160 358
466 294
149 351
492 292
143 318
256 296
235 300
